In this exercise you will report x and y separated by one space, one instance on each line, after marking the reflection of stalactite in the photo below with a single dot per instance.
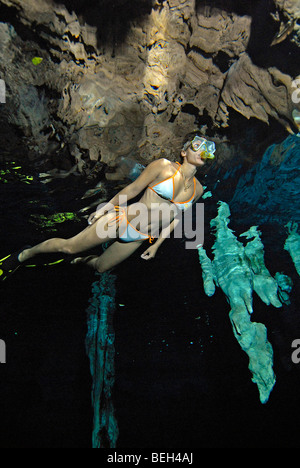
239 271
100 349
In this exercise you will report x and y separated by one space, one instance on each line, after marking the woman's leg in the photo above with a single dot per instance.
112 256
85 240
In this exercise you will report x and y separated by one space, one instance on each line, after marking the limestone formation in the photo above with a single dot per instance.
265 286
208 276
290 8
292 244
239 271
178 65
285 286
252 91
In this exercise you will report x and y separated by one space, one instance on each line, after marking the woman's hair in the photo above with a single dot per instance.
186 143
188 140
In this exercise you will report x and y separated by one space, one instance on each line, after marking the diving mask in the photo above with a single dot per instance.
208 147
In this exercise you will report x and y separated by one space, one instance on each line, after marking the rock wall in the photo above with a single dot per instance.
269 192
179 66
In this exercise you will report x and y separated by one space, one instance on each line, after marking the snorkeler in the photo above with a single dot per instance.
163 182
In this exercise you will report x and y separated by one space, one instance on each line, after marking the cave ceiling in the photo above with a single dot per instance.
101 80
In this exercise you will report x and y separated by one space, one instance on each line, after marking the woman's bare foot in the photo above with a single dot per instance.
23 256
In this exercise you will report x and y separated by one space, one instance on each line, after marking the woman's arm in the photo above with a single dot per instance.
150 173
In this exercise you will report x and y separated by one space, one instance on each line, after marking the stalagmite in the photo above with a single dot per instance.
292 244
100 349
239 271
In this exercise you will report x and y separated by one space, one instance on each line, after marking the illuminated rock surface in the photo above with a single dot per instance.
117 80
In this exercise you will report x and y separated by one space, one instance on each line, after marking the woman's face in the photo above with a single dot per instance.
194 157
198 151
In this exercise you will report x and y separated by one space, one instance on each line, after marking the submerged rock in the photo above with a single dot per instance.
270 191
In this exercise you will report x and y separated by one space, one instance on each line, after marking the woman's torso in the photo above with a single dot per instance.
152 211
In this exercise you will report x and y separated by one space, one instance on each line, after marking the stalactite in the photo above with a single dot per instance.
100 349
292 244
285 286
265 286
239 271
208 276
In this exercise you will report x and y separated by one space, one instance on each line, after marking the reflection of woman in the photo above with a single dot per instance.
166 183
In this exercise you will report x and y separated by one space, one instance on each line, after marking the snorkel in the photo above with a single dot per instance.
208 147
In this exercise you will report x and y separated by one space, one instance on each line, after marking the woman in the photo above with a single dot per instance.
169 185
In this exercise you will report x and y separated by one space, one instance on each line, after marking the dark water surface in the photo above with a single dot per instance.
182 381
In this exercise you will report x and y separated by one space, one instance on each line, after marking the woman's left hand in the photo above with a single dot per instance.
149 253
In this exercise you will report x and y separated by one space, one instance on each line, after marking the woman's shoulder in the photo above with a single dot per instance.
165 165
165 162
168 164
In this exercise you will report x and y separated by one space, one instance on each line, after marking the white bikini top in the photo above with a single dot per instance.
166 189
